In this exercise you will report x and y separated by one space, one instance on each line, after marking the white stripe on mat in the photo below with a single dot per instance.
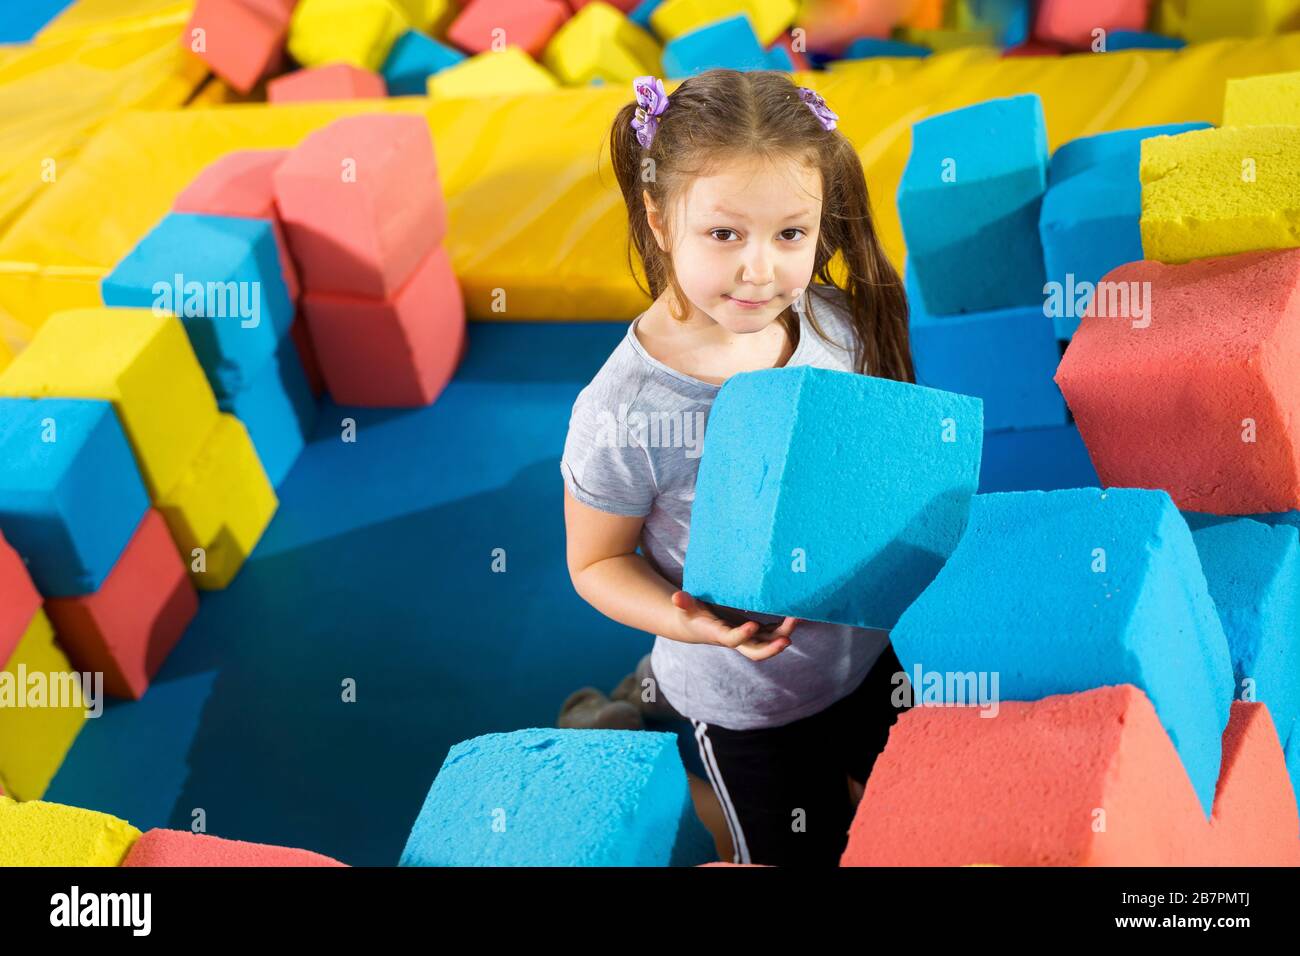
715 777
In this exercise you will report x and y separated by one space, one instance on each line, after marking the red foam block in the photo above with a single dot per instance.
529 24
337 81
307 355
361 204
179 848
1086 779
398 353
127 628
1072 23
239 184
19 600
241 40
1255 822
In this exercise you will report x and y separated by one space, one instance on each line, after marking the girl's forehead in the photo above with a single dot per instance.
786 188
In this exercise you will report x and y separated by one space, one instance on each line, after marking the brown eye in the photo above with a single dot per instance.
715 232
798 232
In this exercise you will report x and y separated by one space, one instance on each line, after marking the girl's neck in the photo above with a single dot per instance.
703 349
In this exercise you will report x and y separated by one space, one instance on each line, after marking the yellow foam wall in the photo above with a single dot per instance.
540 217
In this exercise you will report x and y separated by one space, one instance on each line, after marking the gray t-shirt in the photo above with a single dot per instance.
633 448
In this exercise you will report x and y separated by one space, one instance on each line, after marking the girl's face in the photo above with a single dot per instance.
745 240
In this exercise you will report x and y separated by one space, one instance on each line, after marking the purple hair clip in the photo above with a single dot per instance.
651 100
818 106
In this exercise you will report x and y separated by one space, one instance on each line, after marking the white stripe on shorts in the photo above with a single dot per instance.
741 854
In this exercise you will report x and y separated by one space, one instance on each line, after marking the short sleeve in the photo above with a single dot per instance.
604 467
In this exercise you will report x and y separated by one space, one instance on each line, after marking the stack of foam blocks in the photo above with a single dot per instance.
39 833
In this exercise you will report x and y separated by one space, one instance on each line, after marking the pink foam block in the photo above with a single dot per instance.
1197 397
1086 779
179 848
1071 22
19 600
337 81
361 204
241 40
127 628
1255 822
398 353
307 355
529 24
239 184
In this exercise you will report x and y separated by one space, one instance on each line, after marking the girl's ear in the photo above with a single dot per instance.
653 219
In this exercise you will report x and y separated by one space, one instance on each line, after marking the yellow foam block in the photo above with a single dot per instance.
1168 16
429 16
945 40
142 363
1215 19
495 73
222 504
770 18
600 42
1270 100
37 833
1217 192
35 739
360 32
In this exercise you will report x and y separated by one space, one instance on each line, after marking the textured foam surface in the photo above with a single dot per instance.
1063 591
70 492
361 204
1269 100
1253 573
1081 779
1195 396
180 848
1216 192
829 496
969 202
278 409
547 797
36 833
140 362
19 599
222 276
126 629
1255 821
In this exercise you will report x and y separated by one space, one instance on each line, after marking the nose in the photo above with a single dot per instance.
757 265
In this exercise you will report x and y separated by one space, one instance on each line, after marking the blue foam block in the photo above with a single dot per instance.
278 409
548 797
71 495
1253 572
1292 751
1009 19
1065 591
828 495
1006 357
1090 220
412 60
969 201
1036 459
1118 40
866 48
729 44
640 14
230 293
778 58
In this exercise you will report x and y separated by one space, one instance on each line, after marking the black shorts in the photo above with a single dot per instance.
783 790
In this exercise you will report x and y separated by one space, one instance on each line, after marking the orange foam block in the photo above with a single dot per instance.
1255 821
528 24
391 353
361 203
181 848
239 184
1197 395
1086 779
127 628
337 81
241 40
1072 23
19 600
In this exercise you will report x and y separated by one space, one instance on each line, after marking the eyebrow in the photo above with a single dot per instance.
798 214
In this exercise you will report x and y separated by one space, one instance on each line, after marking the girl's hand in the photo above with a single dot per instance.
702 626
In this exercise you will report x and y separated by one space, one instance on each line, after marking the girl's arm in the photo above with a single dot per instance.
610 576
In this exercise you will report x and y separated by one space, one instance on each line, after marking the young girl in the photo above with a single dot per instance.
739 194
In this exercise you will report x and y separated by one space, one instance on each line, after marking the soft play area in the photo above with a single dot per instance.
296 297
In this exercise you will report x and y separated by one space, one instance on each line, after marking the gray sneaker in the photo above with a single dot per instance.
589 709
630 687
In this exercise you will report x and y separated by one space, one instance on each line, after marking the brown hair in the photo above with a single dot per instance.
726 113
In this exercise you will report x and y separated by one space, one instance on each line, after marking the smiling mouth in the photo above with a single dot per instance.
749 301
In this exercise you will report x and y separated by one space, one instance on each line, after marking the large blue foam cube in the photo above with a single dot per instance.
1036 459
828 495
549 797
728 44
221 275
1007 357
1090 220
278 409
969 202
412 60
1253 572
71 495
1065 591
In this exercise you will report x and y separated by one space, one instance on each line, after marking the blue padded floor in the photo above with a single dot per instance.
377 568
